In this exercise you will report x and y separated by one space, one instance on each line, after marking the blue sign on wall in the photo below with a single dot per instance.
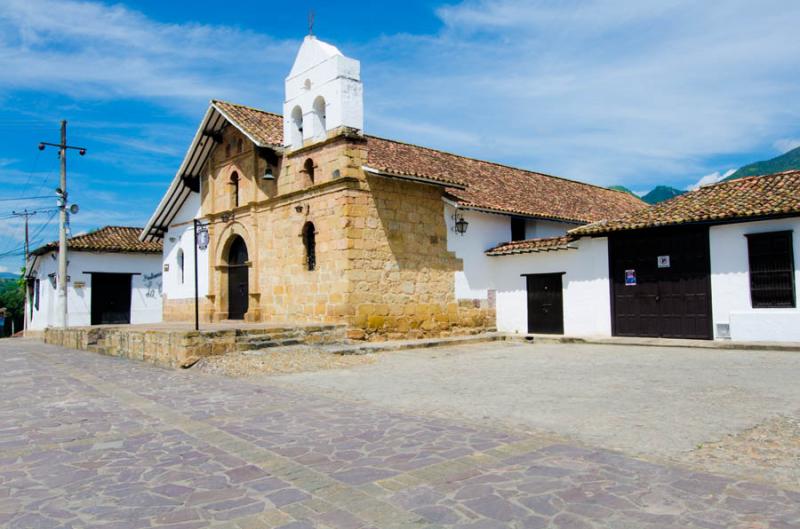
630 278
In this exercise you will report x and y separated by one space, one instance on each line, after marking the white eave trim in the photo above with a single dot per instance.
174 194
240 129
172 191
412 178
569 246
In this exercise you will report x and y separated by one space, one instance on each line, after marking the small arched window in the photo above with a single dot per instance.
235 189
181 266
239 146
320 127
297 127
308 169
227 150
310 244
36 286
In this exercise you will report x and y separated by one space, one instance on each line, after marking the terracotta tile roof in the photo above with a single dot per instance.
266 127
107 239
409 160
501 188
488 185
752 197
546 244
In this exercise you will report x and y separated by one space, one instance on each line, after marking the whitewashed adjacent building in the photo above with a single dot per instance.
715 263
112 278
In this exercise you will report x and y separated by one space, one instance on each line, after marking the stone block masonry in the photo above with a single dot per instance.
382 264
177 347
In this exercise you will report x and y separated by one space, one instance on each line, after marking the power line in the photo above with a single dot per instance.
10 214
27 215
33 170
46 178
35 240
18 199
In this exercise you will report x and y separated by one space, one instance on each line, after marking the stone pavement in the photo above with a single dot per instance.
92 441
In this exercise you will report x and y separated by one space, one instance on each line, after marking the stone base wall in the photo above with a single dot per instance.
183 310
180 348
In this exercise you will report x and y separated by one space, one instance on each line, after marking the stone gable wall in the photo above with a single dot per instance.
401 274
382 262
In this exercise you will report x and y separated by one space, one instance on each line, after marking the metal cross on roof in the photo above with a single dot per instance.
311 22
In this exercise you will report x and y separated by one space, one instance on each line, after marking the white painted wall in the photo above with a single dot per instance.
538 229
587 304
483 232
180 236
146 285
487 230
730 284
320 70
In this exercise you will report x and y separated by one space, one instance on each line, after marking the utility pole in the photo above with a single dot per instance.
27 214
62 220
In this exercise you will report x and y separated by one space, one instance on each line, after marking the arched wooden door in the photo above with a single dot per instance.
238 284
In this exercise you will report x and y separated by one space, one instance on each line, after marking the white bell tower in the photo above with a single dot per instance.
323 93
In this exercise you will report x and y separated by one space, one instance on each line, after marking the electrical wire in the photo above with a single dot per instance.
30 173
33 241
26 198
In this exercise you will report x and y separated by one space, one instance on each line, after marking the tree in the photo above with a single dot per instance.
12 297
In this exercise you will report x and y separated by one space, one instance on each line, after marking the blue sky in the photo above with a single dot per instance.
606 91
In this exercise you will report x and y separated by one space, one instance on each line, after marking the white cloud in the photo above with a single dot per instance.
612 91
88 49
786 144
711 178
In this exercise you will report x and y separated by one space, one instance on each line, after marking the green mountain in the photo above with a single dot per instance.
784 162
661 193
623 189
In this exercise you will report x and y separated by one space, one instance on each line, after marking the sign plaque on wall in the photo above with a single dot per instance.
630 278
663 261
202 238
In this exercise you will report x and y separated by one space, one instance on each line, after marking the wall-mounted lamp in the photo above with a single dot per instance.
227 216
460 225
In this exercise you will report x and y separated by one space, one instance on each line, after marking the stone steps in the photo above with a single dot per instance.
268 338
359 348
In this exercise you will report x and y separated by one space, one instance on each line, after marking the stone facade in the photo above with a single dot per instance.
382 264
175 347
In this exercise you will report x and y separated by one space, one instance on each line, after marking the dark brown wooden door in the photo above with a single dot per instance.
661 283
545 304
111 299
238 282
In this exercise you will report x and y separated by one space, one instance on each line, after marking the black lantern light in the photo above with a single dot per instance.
460 225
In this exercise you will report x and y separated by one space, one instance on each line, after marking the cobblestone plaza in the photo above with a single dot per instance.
93 441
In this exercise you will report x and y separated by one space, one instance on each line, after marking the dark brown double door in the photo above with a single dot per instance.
661 283
238 282
545 304
110 298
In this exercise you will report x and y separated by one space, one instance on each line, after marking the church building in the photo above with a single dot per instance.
306 218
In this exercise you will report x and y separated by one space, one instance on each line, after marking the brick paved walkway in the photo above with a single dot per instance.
92 441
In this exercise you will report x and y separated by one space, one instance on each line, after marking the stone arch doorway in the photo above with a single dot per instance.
238 281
